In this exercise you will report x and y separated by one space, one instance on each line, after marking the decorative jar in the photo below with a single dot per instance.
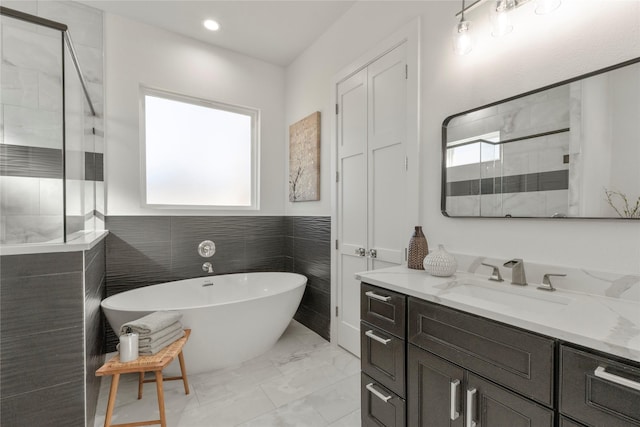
440 263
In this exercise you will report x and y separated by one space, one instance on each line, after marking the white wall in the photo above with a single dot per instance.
138 54
579 37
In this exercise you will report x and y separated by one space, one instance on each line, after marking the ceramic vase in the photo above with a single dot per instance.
440 263
418 249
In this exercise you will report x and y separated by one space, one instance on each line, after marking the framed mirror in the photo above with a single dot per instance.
568 150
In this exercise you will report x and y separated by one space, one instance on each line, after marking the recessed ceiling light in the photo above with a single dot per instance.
212 25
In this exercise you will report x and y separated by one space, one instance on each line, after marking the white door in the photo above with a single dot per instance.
371 221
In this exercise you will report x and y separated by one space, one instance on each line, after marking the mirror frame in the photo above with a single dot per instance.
443 161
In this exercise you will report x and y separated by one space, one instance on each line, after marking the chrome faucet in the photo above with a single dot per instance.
207 267
517 276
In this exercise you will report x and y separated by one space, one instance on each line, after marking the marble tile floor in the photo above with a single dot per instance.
302 381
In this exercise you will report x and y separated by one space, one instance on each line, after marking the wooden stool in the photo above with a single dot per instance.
155 363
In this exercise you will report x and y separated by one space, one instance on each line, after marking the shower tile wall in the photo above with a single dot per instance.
41 344
31 118
94 293
143 251
43 349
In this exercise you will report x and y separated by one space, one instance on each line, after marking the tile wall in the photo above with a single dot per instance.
94 293
42 345
51 332
146 250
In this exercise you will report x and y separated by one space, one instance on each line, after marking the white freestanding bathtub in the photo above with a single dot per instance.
233 317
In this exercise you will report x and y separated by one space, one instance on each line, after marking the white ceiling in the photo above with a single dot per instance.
274 31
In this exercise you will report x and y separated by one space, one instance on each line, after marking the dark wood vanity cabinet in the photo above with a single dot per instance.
424 364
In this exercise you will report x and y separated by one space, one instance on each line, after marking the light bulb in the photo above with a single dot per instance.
462 38
501 20
547 6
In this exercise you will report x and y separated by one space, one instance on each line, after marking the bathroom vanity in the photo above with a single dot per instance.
463 351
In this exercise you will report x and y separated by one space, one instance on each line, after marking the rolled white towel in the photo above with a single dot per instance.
145 339
151 323
156 346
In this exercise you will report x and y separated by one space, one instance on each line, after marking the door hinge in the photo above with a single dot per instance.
406 163
336 311
337 109
406 71
337 244
337 176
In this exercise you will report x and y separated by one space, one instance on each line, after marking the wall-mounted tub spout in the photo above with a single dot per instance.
207 267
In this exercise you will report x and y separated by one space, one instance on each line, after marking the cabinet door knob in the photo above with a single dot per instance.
455 399
361 252
600 372
377 394
373 295
373 253
471 407
373 336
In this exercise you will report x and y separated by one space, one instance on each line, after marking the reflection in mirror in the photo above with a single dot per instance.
566 150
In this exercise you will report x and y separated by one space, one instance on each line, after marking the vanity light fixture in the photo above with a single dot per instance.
462 37
211 25
500 19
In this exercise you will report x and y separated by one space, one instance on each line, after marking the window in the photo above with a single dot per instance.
198 153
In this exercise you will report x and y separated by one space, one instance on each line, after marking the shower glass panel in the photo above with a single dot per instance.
47 158
31 160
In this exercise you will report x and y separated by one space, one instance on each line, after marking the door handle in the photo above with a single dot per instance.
377 394
361 252
455 399
373 295
374 337
373 253
600 372
471 407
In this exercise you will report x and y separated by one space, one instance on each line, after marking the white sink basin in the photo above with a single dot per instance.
525 298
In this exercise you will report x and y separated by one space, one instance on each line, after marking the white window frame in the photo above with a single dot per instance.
255 147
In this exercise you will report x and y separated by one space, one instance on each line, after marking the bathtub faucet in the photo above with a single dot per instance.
207 267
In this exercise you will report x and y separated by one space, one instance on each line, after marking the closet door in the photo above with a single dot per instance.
371 215
387 157
352 202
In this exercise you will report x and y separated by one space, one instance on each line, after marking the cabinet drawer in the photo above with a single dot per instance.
382 357
383 308
380 406
514 358
589 398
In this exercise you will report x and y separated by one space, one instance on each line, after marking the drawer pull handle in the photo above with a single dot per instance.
471 407
373 295
601 373
373 336
377 394
455 399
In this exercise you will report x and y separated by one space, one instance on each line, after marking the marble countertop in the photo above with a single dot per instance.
611 325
